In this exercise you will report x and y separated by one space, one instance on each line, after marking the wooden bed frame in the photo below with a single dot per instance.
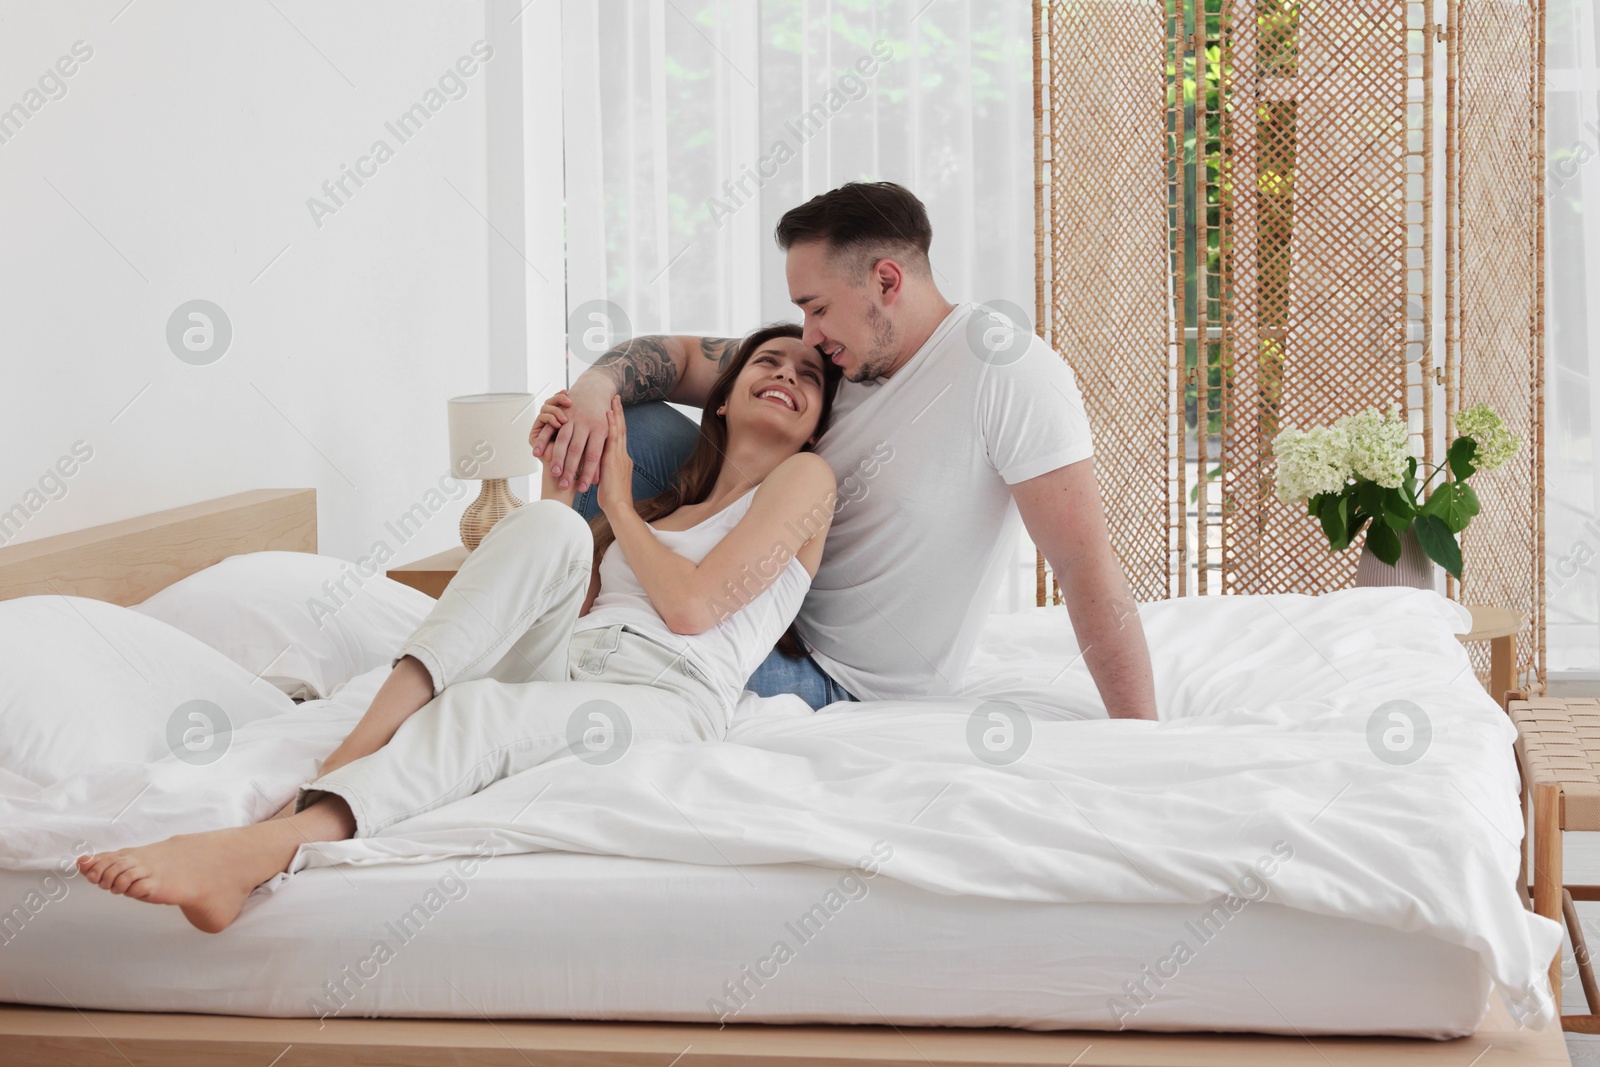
124 562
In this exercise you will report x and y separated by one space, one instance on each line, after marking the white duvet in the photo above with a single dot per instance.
1282 769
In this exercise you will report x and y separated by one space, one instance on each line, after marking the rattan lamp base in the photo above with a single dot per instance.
494 502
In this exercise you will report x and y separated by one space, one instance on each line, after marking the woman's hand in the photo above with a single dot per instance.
614 489
551 418
615 485
552 414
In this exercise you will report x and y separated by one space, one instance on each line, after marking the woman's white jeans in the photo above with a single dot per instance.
513 686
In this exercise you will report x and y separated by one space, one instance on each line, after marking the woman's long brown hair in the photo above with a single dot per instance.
693 482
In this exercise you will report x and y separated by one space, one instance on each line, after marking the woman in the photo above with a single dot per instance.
553 638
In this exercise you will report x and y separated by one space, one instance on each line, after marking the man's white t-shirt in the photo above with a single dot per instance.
924 522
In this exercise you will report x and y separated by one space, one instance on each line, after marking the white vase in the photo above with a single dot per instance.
1414 568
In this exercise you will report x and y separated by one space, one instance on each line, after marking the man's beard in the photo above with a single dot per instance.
877 361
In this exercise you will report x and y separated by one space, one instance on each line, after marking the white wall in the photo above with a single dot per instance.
177 165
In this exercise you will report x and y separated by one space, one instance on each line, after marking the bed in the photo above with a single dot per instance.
625 940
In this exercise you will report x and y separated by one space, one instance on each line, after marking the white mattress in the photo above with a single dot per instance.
557 935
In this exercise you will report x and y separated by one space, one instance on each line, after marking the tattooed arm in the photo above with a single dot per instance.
654 367
661 367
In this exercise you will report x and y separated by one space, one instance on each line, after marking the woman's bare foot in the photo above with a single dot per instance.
209 876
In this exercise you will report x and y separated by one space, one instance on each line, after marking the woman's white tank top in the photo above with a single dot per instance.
728 653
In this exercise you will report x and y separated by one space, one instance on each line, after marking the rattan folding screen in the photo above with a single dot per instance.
1237 205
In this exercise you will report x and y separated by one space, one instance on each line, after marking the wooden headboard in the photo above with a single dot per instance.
125 562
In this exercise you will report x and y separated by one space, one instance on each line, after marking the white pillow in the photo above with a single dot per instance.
84 682
305 623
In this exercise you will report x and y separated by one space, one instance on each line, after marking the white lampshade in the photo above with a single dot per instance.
489 435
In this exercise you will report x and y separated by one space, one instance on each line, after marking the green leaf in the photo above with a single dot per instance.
1369 497
1439 543
1469 499
1384 542
1332 517
1461 456
1357 526
1435 503
1451 505
1397 510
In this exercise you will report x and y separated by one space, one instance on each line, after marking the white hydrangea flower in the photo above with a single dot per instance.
1311 462
1378 444
1496 444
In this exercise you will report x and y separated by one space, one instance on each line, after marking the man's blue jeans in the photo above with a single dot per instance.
660 440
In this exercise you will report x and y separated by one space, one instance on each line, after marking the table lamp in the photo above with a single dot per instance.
489 440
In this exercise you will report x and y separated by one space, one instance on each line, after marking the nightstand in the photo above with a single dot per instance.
1499 627
431 575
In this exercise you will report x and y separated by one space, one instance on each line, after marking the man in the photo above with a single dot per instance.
942 437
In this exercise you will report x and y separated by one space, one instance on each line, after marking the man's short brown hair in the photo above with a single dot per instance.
866 221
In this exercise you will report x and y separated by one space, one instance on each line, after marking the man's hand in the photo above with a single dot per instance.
572 450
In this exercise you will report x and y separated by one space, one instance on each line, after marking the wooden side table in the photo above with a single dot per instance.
432 574
1558 755
1498 626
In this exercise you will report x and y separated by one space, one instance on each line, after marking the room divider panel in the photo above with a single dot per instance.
1495 258
1236 206
1102 283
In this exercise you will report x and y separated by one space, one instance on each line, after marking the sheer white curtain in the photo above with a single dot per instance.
1572 395
692 125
